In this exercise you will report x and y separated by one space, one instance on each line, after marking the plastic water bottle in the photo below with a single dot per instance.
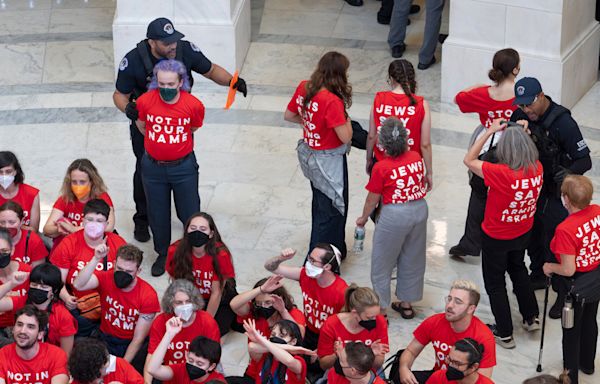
359 239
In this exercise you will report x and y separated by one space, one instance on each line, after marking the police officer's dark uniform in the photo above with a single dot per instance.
562 151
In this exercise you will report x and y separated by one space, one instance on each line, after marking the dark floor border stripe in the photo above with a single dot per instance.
56 37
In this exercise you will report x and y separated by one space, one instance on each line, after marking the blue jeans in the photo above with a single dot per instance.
159 180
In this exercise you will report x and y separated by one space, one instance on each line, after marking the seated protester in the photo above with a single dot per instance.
90 363
463 365
360 320
267 303
202 258
29 246
44 288
12 188
76 250
563 378
128 303
443 330
29 360
183 300
81 184
201 359
353 365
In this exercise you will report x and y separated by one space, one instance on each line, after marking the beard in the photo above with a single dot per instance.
25 344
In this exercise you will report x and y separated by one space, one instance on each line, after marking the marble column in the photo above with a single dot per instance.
558 41
220 28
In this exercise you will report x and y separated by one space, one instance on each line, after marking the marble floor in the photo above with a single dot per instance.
56 84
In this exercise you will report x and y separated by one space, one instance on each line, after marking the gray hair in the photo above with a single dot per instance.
393 137
185 286
517 150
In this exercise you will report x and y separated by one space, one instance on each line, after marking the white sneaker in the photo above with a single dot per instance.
531 325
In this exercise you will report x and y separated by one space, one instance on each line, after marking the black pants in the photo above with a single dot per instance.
421 376
579 342
140 217
240 380
499 257
117 346
386 8
470 242
311 341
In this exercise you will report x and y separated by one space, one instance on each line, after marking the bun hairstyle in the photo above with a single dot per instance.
403 73
359 298
503 64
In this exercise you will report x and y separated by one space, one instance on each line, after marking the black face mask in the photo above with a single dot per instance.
369 325
277 340
263 312
194 372
4 259
37 296
337 366
454 374
197 238
122 279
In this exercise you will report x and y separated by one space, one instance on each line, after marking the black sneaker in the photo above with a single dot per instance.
531 324
141 233
414 9
507 342
424 66
355 3
556 309
398 50
158 268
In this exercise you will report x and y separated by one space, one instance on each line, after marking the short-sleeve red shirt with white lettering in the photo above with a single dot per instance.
334 378
439 377
320 303
73 254
169 133
478 101
511 201
123 373
120 310
334 329
49 362
36 250
25 197
399 179
202 268
325 112
180 376
204 325
7 319
399 105
290 377
579 235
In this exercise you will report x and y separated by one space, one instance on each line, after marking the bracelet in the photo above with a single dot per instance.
260 289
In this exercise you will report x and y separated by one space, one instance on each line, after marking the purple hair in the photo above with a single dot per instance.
171 66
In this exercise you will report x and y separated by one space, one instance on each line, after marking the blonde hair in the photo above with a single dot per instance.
579 189
96 183
470 287
359 298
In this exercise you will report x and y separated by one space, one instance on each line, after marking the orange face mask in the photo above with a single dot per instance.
81 191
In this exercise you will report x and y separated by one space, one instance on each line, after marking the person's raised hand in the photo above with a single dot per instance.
288 253
379 348
101 251
498 125
273 282
173 326
19 278
278 303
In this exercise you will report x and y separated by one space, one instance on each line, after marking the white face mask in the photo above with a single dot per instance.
6 180
311 270
185 311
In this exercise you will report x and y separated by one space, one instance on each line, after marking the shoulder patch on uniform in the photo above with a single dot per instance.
123 64
194 47
581 145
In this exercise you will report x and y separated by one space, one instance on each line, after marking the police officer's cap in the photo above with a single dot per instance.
526 90
162 29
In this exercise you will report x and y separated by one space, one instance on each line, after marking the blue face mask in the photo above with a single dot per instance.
168 94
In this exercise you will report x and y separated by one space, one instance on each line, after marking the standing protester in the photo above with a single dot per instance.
12 188
168 117
135 73
463 365
574 245
401 229
29 246
320 105
489 102
514 187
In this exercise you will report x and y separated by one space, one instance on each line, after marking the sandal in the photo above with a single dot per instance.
406 312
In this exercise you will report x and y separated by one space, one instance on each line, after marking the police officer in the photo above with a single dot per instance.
562 151
135 72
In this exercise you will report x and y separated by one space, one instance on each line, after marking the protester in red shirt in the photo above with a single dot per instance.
202 257
90 363
82 183
8 269
360 320
575 246
129 304
463 365
201 359
183 300
514 187
489 102
168 117
353 365
12 188
28 360
29 247
319 106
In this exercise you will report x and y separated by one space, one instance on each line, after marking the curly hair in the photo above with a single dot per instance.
185 286
331 74
87 359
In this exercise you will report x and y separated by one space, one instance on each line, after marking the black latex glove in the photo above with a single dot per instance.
240 86
131 111
560 175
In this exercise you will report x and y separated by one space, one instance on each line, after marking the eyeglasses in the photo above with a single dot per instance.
457 301
454 362
523 106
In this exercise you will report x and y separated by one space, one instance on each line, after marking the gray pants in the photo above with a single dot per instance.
399 241
433 22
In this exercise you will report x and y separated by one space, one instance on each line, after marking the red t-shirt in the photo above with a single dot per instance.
121 310
204 325
439 377
36 250
202 268
180 375
169 133
7 319
399 179
325 112
334 328
124 373
579 235
334 378
50 361
437 330
478 100
290 378
511 201
320 303
388 104
24 197
60 321
73 254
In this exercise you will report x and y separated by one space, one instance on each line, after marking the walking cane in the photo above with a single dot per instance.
539 366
